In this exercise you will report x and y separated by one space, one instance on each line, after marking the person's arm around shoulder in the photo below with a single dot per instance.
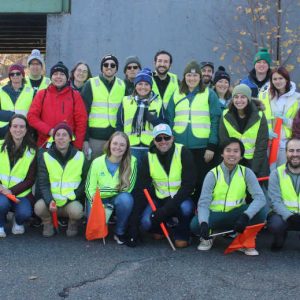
259 199
274 192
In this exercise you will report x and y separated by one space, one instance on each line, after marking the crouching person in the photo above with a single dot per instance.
170 168
61 179
222 204
284 188
114 173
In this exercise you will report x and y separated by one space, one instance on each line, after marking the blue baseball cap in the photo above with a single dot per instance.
162 129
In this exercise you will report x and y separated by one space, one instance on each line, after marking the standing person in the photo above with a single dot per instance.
170 168
114 173
284 105
15 97
79 75
131 68
35 79
139 113
207 70
61 179
194 114
17 173
165 83
284 194
222 204
243 121
58 103
222 87
258 78
102 95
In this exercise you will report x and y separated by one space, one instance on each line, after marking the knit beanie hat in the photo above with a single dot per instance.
35 54
192 67
63 125
262 54
144 75
207 63
59 67
132 60
221 74
242 89
16 67
109 57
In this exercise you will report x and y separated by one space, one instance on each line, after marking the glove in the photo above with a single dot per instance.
285 120
272 135
204 231
241 223
294 221
157 217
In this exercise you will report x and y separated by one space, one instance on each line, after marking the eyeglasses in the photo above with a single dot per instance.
82 71
132 67
160 138
14 74
107 65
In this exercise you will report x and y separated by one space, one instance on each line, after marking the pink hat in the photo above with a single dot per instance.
17 67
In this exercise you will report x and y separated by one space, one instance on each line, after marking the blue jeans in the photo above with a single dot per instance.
184 215
123 204
23 210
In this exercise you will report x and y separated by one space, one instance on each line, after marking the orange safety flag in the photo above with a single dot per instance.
12 198
245 239
54 216
275 144
96 226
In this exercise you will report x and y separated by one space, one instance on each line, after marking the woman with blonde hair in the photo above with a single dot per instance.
114 173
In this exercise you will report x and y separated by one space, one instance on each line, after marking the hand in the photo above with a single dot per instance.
52 206
208 155
285 120
51 132
294 221
241 223
272 135
85 148
5 191
157 217
204 231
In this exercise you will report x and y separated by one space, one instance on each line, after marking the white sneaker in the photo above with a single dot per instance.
2 232
17 229
249 251
205 245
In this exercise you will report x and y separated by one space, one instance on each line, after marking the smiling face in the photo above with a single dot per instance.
143 89
109 69
59 79
192 80
162 64
16 78
118 147
207 73
261 67
231 155
81 73
240 101
279 82
131 71
163 142
222 86
62 139
35 68
293 153
18 129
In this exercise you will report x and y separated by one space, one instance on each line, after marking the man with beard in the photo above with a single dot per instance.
164 83
259 76
284 193
207 70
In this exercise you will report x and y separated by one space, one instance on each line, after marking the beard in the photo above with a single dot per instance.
207 79
164 72
293 165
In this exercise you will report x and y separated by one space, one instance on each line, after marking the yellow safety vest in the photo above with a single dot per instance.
197 114
64 181
288 193
10 177
290 114
227 197
171 88
105 104
107 183
248 137
264 97
44 84
22 104
166 186
130 108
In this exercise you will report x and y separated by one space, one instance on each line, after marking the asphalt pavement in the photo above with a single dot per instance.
33 267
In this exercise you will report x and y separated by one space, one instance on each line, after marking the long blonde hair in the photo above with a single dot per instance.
125 164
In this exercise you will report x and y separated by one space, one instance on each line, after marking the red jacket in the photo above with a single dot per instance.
50 107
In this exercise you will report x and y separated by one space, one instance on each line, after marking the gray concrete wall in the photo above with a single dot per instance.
132 27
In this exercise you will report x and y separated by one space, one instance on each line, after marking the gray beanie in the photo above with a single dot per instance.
35 54
242 89
132 60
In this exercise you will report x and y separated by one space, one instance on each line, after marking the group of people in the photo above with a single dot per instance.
194 143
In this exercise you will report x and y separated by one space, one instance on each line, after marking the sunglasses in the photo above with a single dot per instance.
160 138
132 67
107 65
14 74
